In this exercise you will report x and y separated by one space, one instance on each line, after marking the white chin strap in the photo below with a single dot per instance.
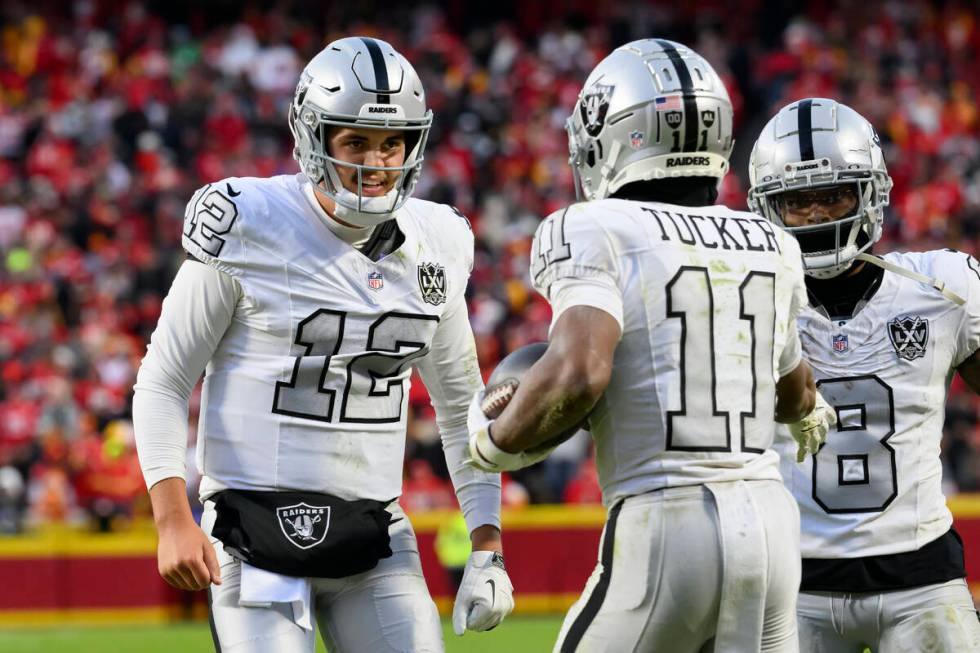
915 276
373 211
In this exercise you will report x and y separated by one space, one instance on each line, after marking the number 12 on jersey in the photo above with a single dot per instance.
699 425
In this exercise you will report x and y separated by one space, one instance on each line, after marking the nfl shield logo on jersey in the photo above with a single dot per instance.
304 525
909 335
432 283
376 281
840 342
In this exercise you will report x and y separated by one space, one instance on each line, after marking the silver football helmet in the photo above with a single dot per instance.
818 143
359 82
652 109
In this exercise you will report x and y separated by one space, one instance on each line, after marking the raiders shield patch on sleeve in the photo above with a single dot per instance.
909 335
432 283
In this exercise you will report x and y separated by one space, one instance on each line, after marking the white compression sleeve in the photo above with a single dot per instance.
196 312
451 374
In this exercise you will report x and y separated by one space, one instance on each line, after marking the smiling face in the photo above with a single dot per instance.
380 148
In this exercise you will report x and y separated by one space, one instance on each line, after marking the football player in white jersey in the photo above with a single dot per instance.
882 565
674 324
308 299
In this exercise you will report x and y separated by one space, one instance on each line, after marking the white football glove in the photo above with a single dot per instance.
811 431
484 453
485 596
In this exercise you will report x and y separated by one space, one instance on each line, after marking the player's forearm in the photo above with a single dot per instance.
557 393
796 394
169 501
486 538
160 428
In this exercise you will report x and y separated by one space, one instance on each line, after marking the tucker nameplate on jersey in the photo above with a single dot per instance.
432 283
909 334
304 525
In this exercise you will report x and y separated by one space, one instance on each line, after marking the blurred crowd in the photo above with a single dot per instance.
113 112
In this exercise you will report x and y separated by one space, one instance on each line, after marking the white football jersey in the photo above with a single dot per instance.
875 487
707 298
308 388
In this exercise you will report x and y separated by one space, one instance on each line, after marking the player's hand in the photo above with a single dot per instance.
484 452
485 596
811 431
186 557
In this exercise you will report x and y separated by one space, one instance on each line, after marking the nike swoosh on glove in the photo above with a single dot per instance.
485 596
484 452
811 431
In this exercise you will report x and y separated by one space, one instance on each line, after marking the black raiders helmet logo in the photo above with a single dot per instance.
708 117
432 283
304 525
673 119
909 335
594 105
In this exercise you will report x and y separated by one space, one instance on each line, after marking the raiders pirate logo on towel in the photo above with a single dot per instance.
594 106
304 525
909 334
432 283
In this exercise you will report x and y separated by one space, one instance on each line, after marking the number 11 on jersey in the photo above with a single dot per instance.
699 425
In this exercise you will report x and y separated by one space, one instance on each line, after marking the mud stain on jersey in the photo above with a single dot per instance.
720 267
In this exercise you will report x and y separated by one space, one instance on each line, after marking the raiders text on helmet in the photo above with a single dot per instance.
818 143
364 83
652 109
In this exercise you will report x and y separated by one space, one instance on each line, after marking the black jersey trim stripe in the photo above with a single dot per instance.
380 70
692 119
805 117
213 626
592 606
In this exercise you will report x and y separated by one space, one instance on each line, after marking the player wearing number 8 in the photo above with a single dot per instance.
310 298
680 315
882 566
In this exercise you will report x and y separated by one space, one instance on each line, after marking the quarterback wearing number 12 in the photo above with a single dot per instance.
310 298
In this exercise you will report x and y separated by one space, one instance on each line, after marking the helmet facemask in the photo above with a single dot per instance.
830 248
322 168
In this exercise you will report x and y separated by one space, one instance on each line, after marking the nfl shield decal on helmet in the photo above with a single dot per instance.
840 342
594 105
304 525
636 139
432 283
909 335
376 281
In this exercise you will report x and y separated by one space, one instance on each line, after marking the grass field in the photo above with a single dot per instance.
516 635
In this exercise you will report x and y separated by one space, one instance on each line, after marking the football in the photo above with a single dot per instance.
503 383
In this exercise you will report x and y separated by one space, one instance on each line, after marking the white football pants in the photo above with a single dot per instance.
693 569
934 618
385 610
